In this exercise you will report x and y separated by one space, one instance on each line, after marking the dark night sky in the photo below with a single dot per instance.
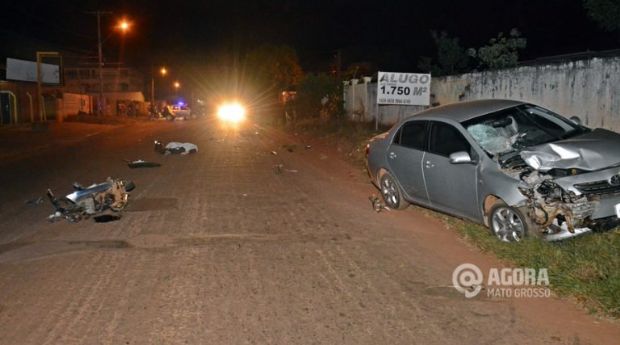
393 34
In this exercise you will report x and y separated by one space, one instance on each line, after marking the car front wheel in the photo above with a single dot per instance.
392 195
509 224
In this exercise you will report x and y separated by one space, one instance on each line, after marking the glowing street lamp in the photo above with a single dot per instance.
163 71
176 86
123 25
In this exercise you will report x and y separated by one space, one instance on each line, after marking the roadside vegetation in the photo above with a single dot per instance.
586 268
349 138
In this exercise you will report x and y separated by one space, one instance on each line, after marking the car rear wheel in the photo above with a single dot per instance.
391 193
509 224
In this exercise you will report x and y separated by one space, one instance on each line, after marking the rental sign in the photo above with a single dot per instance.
403 88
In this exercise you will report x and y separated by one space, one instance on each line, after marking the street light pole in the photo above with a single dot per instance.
153 91
163 71
101 103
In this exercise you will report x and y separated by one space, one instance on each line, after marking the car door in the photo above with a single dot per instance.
405 156
451 187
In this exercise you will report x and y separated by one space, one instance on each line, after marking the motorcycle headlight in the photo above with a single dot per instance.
231 112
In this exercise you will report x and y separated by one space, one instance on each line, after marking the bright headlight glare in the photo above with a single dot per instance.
232 112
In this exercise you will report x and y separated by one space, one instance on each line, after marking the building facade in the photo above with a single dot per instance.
122 88
85 80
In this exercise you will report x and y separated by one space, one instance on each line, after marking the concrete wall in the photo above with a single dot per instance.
112 99
589 89
360 104
73 104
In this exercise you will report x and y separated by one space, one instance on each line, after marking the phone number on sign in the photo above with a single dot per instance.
394 101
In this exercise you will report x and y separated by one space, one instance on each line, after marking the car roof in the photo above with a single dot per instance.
464 111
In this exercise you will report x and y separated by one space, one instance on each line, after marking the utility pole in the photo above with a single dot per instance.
152 88
338 64
101 102
153 92
162 71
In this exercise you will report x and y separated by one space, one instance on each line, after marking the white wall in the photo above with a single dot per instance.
589 89
360 105
72 104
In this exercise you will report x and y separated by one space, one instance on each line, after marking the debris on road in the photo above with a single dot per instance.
36 201
278 168
113 195
174 147
105 218
290 147
274 153
308 147
142 164
377 205
323 157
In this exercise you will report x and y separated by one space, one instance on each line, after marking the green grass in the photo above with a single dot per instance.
586 268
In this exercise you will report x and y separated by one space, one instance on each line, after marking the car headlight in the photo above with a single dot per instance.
231 112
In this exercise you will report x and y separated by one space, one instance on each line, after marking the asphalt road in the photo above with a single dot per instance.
217 248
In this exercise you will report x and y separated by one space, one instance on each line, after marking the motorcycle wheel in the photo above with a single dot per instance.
129 185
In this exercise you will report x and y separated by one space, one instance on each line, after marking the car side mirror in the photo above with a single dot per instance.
576 120
460 157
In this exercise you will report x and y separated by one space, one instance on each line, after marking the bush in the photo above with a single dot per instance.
319 96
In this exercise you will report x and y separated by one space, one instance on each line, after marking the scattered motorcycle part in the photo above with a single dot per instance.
113 194
142 164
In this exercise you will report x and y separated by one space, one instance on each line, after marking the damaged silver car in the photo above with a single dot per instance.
515 167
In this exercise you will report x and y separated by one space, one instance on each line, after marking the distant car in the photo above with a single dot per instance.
515 167
181 111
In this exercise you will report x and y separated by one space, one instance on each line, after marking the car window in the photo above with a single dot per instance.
413 135
446 140
519 127
397 136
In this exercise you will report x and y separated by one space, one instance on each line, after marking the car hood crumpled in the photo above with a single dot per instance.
594 150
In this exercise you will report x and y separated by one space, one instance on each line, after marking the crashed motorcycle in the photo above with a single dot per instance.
84 202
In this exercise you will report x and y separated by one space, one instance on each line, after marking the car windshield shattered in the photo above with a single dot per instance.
519 127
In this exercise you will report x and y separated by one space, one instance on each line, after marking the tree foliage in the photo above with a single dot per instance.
359 69
501 52
319 95
605 12
451 56
275 66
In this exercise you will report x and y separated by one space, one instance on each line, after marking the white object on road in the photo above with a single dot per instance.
174 146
